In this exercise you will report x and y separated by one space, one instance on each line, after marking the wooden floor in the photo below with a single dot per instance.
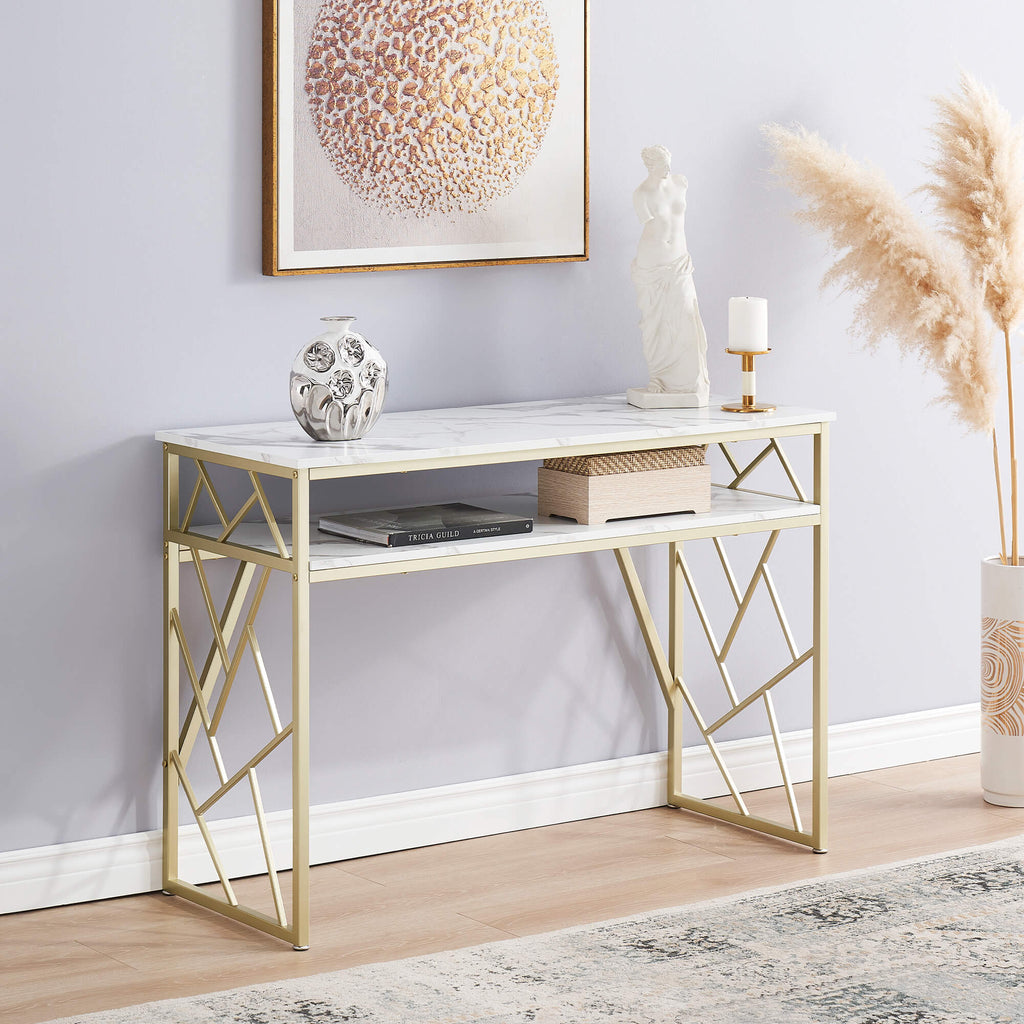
77 959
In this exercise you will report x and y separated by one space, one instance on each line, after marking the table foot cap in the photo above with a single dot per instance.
820 851
300 949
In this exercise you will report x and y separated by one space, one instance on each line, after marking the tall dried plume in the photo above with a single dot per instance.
912 289
979 194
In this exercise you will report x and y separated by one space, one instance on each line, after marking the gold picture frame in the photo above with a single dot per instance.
400 134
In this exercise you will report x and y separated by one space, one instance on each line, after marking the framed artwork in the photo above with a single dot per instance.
423 133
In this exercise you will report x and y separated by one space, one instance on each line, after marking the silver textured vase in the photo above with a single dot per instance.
338 383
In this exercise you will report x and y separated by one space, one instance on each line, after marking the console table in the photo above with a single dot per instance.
261 543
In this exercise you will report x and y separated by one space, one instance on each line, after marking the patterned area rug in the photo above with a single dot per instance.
934 941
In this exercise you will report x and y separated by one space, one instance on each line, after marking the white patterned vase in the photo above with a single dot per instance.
1002 683
338 383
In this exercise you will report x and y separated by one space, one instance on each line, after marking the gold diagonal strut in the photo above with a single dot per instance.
780 612
724 445
204 829
698 604
752 821
643 615
751 587
198 698
747 701
780 754
275 531
754 463
214 496
712 746
246 915
268 852
190 667
236 659
229 682
727 775
229 619
222 772
773 592
192 502
211 611
238 517
261 671
727 569
240 774
787 466
702 615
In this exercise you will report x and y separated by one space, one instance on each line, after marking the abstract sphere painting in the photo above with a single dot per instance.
424 133
430 106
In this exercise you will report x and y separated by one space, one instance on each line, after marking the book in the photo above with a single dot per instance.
424 524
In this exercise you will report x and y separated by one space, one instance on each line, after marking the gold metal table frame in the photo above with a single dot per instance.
235 640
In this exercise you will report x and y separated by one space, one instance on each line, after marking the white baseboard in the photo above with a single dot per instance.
121 865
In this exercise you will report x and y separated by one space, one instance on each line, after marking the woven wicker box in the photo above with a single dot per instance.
596 488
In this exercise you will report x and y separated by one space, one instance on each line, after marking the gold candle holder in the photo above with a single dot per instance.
748 402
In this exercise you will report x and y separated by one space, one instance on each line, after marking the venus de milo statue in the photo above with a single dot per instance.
675 345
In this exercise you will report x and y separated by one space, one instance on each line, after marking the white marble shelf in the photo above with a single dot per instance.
481 431
728 508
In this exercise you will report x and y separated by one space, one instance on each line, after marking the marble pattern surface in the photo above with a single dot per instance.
327 551
482 430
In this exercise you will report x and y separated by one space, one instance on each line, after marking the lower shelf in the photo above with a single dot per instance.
332 557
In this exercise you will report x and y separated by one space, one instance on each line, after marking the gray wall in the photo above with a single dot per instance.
133 300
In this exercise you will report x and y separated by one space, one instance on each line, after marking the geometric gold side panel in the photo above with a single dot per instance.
772 447
720 652
673 682
229 525
742 474
669 684
787 632
234 641
223 663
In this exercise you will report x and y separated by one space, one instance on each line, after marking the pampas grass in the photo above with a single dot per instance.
931 292
912 289
979 194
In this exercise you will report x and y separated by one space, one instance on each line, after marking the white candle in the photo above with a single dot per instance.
748 324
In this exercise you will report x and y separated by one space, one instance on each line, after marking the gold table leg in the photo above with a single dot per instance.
207 709
300 710
678 696
172 668
821 584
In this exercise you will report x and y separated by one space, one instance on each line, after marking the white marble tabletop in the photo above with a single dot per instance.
483 430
